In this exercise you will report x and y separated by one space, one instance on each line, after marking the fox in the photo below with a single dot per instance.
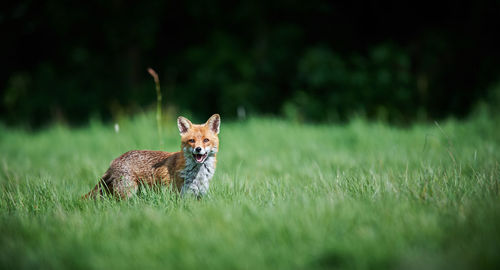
188 171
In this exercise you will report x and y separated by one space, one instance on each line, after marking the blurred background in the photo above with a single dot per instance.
315 60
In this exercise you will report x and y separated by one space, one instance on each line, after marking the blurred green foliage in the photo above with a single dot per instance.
332 87
307 61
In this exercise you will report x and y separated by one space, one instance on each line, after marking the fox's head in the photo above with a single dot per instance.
199 142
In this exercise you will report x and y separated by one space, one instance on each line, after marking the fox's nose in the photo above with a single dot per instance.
197 149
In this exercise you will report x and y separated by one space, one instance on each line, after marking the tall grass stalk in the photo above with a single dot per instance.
158 104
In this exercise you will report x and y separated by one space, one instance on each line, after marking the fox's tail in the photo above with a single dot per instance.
94 192
100 189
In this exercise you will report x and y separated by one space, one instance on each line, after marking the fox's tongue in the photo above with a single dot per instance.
199 157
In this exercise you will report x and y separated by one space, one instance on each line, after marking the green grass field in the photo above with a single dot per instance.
284 196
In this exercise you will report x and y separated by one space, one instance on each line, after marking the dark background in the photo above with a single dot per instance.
309 60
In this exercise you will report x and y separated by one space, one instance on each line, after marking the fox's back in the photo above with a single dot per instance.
148 166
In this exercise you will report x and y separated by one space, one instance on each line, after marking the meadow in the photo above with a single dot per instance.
360 195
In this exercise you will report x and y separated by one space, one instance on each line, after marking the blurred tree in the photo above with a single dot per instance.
315 60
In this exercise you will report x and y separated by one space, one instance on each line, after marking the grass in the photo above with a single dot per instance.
285 196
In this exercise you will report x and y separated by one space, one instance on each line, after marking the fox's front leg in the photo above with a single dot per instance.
194 188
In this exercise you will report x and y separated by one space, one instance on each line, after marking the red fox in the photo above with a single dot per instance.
189 171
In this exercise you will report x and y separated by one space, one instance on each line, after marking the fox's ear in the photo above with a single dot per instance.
183 124
214 123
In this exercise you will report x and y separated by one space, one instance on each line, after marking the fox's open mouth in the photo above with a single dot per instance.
199 158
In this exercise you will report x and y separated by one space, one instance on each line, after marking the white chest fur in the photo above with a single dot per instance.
197 176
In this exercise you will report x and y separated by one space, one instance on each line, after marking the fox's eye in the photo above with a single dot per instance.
205 140
191 140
